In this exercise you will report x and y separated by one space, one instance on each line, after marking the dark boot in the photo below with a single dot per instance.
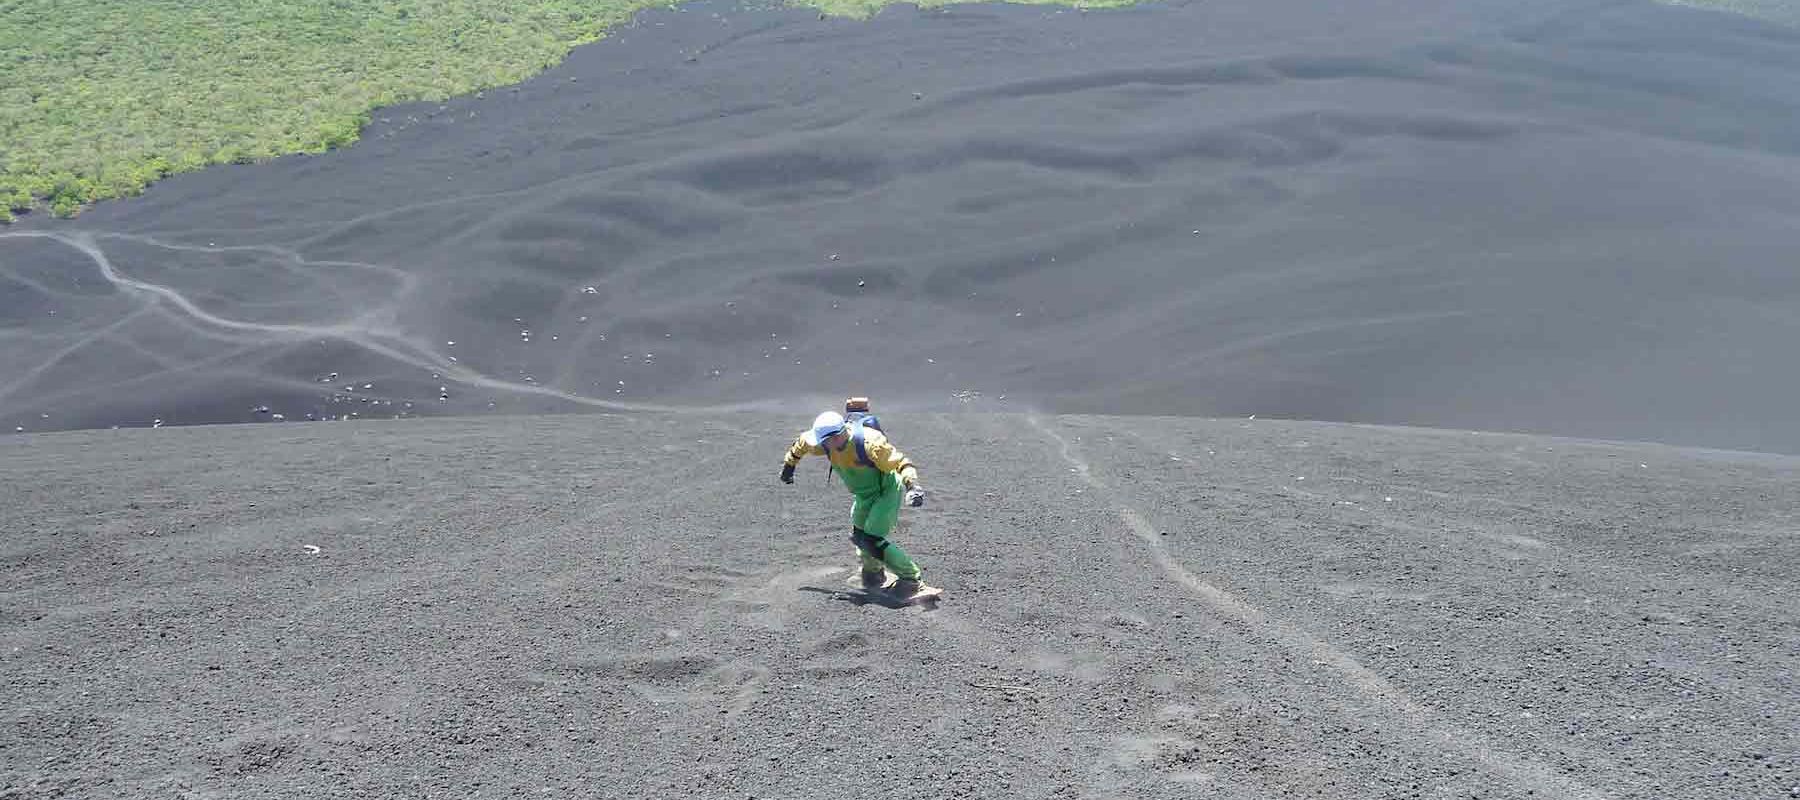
905 587
874 579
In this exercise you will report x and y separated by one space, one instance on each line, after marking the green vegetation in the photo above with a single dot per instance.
98 98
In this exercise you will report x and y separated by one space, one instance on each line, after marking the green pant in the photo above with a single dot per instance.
872 517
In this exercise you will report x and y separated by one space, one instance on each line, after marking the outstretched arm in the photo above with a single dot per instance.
800 449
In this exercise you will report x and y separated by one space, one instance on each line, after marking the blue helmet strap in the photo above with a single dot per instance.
856 435
862 450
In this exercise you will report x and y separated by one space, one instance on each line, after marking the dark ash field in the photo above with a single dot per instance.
1555 217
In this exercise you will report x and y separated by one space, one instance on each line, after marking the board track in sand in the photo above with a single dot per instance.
633 606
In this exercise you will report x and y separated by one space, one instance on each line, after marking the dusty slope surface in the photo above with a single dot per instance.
632 606
1550 216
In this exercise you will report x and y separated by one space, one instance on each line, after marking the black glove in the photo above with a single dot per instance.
787 473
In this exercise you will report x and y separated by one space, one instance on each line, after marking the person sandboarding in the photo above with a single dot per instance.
878 476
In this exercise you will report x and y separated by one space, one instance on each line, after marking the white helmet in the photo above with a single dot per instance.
824 426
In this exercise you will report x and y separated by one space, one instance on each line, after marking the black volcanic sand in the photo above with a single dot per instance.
1563 217
629 606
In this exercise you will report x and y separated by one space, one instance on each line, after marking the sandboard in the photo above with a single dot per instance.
926 593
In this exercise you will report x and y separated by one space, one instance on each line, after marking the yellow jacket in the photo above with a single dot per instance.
882 453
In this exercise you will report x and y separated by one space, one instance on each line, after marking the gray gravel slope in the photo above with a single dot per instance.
632 606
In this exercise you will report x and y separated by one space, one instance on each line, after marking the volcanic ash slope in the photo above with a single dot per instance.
633 606
1540 216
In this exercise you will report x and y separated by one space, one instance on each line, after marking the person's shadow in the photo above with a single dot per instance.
858 597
